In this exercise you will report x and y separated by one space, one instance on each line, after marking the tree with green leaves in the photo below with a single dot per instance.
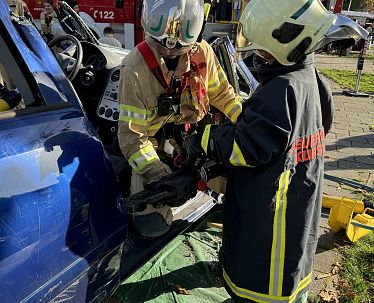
368 5
352 5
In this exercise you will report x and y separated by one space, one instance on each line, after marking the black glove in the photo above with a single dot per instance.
179 186
192 150
197 147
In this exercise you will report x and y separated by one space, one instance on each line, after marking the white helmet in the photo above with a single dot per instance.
175 24
290 29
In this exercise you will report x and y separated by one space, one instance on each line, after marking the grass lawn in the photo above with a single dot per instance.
348 79
358 268
358 272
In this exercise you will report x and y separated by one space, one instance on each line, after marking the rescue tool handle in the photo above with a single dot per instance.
331 201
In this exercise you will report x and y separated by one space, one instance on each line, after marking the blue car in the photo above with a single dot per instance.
64 229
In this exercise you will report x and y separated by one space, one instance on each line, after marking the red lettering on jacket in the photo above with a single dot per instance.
309 147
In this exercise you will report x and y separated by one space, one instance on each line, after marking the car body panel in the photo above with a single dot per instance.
62 217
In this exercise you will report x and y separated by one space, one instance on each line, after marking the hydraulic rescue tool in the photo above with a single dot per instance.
176 188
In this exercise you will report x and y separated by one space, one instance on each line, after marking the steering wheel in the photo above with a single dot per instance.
70 54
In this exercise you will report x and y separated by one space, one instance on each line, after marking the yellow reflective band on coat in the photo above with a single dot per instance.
237 158
279 236
142 158
217 80
205 138
265 298
132 114
156 126
234 109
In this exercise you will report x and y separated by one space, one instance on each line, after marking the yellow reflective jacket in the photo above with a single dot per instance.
139 90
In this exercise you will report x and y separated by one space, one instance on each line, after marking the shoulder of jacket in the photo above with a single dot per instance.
134 64
294 78
283 79
280 85
204 52
133 59
204 47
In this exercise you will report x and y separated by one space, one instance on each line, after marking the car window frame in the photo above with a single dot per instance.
20 78
29 77
233 69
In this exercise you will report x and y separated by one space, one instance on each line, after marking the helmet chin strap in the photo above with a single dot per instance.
166 52
170 54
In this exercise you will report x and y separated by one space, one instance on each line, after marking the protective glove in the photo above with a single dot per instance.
156 170
192 150
179 186
197 147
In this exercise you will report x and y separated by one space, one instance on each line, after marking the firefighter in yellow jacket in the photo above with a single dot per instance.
170 78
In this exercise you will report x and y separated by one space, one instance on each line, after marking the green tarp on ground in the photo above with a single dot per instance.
189 264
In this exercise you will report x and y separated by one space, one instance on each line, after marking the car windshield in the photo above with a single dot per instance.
73 24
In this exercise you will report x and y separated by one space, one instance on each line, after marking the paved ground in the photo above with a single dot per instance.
336 62
349 154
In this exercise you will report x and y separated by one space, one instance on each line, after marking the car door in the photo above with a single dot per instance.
62 219
238 74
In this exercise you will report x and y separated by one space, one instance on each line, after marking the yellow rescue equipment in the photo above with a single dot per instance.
342 216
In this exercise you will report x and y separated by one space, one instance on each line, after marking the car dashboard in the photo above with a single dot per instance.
97 87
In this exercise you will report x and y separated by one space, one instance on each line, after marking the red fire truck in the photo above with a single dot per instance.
122 16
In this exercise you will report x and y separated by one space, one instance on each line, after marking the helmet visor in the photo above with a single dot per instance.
242 42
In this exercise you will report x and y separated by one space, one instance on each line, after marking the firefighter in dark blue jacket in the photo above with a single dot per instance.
275 154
